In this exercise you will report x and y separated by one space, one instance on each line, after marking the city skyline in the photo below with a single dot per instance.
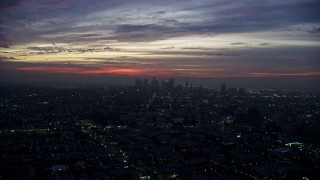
258 44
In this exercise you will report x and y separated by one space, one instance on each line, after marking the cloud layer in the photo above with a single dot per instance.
240 38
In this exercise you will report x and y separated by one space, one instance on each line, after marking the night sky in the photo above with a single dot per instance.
256 41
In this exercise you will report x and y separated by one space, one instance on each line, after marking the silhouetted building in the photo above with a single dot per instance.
171 83
187 86
154 83
145 83
138 84
180 87
233 91
167 85
223 89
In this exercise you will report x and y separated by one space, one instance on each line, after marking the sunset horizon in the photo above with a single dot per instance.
196 39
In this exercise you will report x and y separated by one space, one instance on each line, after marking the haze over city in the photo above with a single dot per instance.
247 43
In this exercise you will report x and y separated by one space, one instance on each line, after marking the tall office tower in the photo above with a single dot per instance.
138 84
223 89
171 83
164 84
145 83
154 83
187 86
154 78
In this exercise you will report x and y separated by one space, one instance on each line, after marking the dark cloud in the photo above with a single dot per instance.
170 22
239 43
4 42
168 19
91 35
314 30
11 65
115 61
56 49
256 17
55 5
158 12
6 58
264 44
272 12
9 3
127 28
194 51
226 54
169 47
196 48
4 45
145 33
288 28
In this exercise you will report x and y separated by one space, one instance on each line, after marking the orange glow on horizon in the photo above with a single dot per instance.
159 73
63 70
117 71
